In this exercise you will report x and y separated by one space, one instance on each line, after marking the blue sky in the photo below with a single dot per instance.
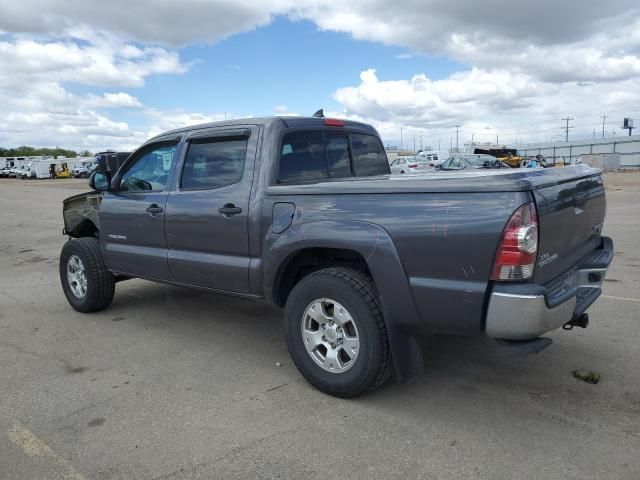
284 63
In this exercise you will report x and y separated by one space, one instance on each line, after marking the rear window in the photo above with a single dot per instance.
369 157
317 155
338 155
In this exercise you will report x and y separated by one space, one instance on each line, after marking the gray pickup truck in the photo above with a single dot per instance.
303 212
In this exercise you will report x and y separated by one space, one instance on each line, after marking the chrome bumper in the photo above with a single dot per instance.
514 316
524 317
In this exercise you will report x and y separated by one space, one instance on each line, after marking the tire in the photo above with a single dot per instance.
351 291
96 280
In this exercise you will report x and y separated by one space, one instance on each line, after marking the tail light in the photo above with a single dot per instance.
516 256
413 165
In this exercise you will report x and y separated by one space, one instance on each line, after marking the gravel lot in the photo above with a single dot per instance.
171 383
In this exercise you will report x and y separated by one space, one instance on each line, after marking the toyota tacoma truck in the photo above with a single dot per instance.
304 213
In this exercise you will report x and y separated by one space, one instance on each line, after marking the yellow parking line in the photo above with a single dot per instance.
33 447
613 297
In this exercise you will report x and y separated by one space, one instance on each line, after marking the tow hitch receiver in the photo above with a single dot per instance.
581 321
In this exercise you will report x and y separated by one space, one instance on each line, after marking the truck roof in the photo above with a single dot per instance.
286 121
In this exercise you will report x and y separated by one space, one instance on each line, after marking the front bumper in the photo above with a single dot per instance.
526 311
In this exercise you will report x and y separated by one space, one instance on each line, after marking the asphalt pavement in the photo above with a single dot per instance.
170 383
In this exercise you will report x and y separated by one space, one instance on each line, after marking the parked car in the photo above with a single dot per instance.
16 172
4 171
408 165
471 162
303 212
81 171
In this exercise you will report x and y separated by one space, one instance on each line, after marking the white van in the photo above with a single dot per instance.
38 168
434 157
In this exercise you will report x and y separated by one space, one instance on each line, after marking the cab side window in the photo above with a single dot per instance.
150 170
302 157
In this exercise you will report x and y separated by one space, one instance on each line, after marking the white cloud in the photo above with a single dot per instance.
174 23
38 109
547 39
100 63
517 106
112 100
283 110
551 40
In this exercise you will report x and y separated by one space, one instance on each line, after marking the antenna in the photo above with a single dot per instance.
319 113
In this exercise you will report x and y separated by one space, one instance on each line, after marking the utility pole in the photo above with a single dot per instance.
472 139
439 143
497 141
457 131
566 128
420 141
400 138
604 117
450 145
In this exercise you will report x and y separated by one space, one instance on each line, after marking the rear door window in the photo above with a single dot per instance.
369 157
212 164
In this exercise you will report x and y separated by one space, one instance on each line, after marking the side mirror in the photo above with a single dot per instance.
100 181
439 166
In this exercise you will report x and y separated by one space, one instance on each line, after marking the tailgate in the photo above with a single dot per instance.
570 216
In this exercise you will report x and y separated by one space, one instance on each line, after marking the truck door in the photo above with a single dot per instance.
132 217
207 213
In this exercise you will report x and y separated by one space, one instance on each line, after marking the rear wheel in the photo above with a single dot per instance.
87 283
336 333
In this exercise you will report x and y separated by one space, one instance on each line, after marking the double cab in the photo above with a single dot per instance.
303 212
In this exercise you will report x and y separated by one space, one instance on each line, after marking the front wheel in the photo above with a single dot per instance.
336 333
87 283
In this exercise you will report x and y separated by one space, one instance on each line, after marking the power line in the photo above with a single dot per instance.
567 127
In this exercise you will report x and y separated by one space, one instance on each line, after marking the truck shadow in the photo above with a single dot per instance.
460 373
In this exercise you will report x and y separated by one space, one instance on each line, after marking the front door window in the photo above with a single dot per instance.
150 171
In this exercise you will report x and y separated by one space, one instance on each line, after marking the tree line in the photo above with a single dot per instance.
26 151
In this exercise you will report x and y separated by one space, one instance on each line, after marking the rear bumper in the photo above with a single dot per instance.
526 311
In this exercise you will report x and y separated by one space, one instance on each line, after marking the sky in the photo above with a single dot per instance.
84 74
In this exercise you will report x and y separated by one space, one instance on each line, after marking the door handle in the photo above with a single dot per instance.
229 210
579 199
154 208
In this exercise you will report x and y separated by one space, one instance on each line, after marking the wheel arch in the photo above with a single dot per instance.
365 247
84 228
